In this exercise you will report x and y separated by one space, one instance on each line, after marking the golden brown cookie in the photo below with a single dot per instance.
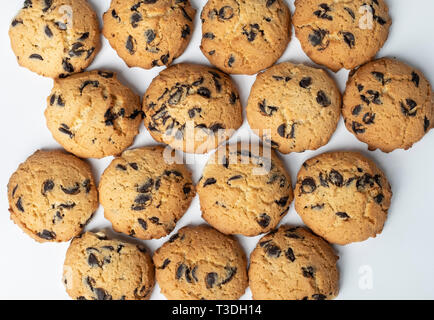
294 107
388 105
149 33
245 36
200 263
291 263
341 34
97 268
244 189
55 38
52 195
93 115
342 196
143 195
192 108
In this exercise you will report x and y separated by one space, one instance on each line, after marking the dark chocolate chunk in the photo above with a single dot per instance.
142 223
306 82
415 79
204 92
322 13
93 261
267 110
336 178
226 13
211 279
47 235
101 294
289 254
349 38
263 220
143 199
130 45
72 190
185 32
426 124
231 272
316 38
209 181
318 296
86 185
350 12
135 19
282 201
150 35
369 118
165 264
121 167
48 185
342 215
16 22
36 56
308 272
105 74
270 3
67 66
48 31
76 49
93 83
273 251
209 35
357 127
19 204
48 4
308 185
231 61
356 110
322 99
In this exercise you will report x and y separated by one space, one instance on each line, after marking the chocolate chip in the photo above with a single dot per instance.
165 58
308 185
252 31
48 31
379 76
76 50
209 35
426 124
282 131
16 22
48 4
143 199
306 82
322 13
130 45
115 15
211 279
349 38
316 38
166 262
323 180
209 181
184 13
48 185
68 206
237 177
180 271
93 261
365 180
415 79
263 220
204 92
322 99
67 66
317 206
267 110
226 13
360 87
380 20
60 25
318 296
357 127
356 110
408 110
308 272
273 251
14 190
36 56
342 215
142 223
231 272
231 61
71 191
101 294
192 112
150 35
121 167
350 12
336 178
105 74
135 114
19 205
47 235
93 83
186 188
135 18
369 118
282 201
185 31
27 4
155 220
289 254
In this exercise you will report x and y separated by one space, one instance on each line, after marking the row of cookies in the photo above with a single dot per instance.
58 38
200 263
387 104
245 189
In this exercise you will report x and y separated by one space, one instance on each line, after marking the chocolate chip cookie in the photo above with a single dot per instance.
200 263
342 196
341 34
244 189
52 195
143 195
97 268
244 37
294 107
93 115
192 108
291 263
388 105
55 38
149 33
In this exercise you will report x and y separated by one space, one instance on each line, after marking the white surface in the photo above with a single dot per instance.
401 258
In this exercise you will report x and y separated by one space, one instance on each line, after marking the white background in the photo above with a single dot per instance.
401 258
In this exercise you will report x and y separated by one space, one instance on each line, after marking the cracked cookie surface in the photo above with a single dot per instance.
55 38
93 115
143 195
341 34
192 108
294 107
243 190
149 33
342 196
291 263
52 195
201 263
245 36
98 268
388 105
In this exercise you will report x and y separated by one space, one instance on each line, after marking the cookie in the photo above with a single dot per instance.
200 263
93 115
244 37
294 107
192 108
143 195
97 268
244 189
291 263
52 195
342 196
341 34
388 105
55 38
149 33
